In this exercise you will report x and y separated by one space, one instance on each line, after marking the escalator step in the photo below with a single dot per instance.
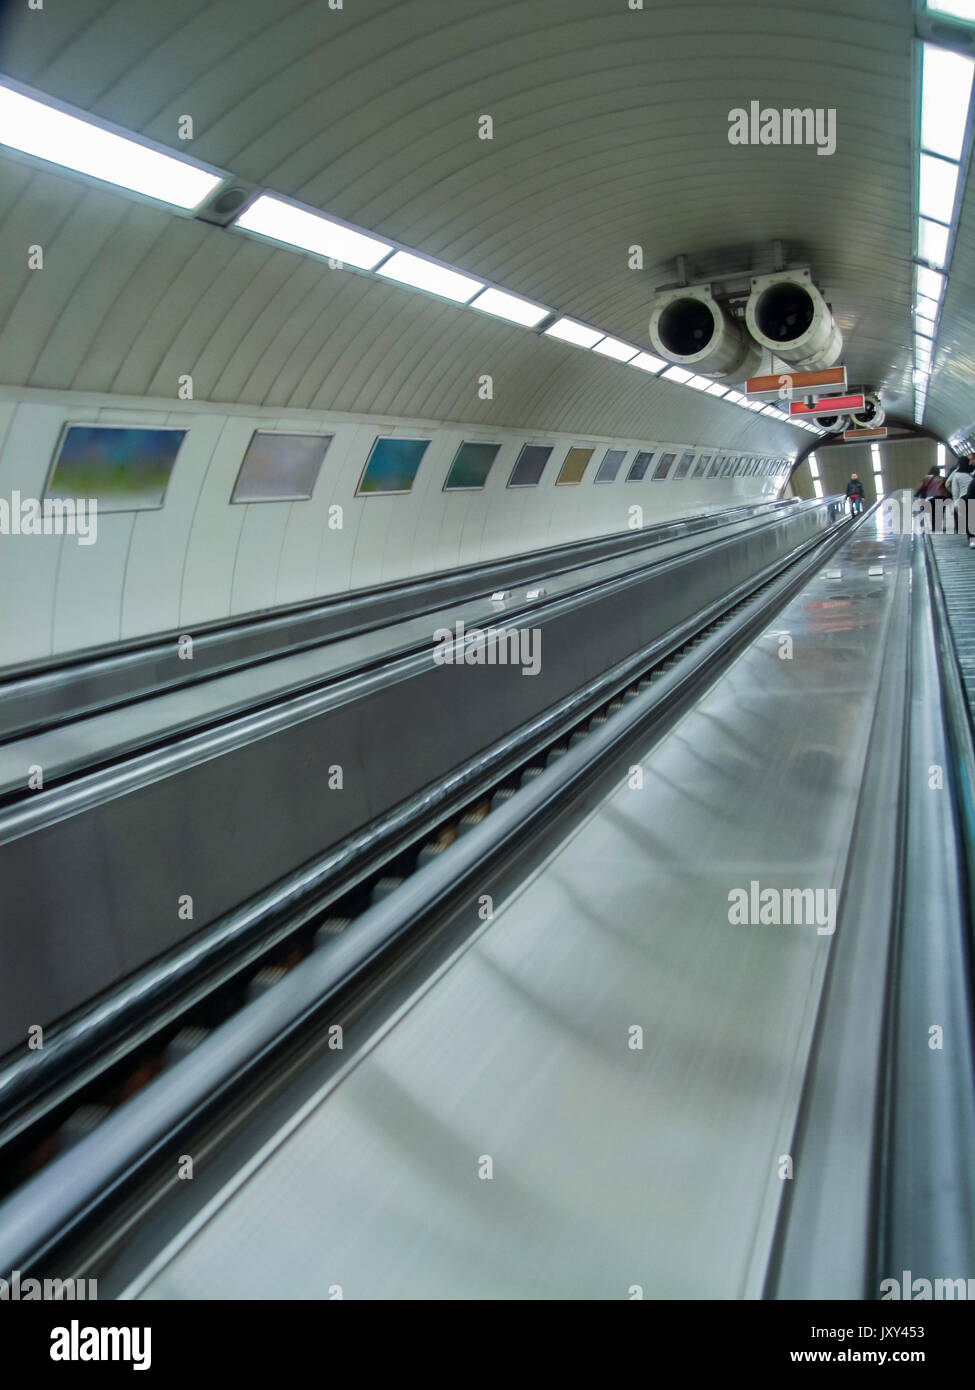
183 1044
330 928
264 980
432 848
472 819
500 798
383 888
80 1124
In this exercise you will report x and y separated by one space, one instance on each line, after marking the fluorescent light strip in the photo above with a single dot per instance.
930 282
956 9
310 231
648 363
613 347
932 241
677 374
938 185
571 331
509 306
421 274
946 89
946 93
77 142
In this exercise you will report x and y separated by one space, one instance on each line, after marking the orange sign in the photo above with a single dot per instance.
786 381
853 435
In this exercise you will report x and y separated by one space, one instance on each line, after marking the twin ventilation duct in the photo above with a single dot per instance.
785 321
785 315
868 418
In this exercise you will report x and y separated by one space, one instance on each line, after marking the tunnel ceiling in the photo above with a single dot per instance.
610 131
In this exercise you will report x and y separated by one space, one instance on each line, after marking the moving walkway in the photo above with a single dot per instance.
564 1070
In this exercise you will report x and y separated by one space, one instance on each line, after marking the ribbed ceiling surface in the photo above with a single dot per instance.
610 130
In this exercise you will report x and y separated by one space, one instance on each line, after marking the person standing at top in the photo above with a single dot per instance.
854 494
932 490
961 482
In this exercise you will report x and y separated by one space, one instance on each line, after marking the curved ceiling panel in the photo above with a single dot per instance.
610 130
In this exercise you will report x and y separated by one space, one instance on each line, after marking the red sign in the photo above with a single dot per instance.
828 405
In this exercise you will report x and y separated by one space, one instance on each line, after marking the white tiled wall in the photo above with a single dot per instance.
200 559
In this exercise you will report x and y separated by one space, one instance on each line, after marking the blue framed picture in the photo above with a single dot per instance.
123 469
392 465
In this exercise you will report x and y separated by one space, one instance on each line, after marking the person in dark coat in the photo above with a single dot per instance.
854 494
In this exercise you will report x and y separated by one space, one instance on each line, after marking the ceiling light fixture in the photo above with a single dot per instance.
509 306
421 274
282 221
74 141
